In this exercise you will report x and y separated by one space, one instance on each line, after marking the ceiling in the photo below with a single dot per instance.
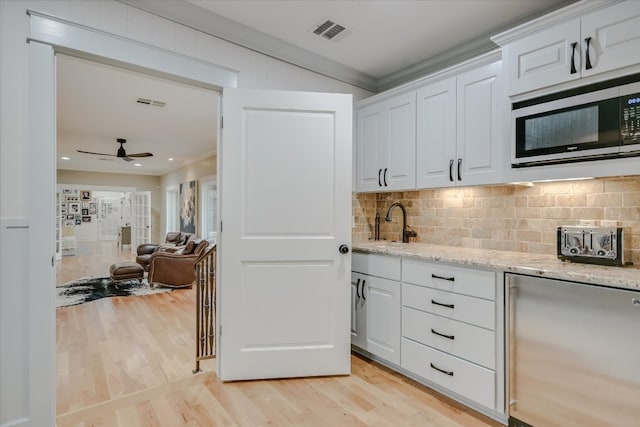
388 41
97 103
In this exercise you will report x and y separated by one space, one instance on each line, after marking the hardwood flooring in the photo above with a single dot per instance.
127 361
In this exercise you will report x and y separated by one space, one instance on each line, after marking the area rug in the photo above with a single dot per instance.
93 288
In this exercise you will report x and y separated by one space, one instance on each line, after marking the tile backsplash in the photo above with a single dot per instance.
521 218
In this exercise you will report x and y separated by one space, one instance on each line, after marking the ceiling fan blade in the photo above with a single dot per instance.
140 155
97 154
126 159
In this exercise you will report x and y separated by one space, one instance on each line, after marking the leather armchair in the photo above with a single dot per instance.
173 241
176 269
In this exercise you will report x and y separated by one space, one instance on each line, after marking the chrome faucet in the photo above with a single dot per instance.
406 232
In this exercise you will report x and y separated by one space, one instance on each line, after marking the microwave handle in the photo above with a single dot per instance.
573 55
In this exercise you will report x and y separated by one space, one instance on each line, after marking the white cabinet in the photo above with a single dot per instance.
386 144
358 311
451 332
599 42
375 312
459 129
614 35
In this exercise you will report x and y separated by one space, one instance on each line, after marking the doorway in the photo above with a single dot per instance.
49 35
157 348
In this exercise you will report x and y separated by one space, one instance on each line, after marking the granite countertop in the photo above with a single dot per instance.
548 266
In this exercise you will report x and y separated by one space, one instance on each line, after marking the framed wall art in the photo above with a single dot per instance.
188 206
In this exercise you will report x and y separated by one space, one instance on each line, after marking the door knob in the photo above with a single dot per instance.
343 249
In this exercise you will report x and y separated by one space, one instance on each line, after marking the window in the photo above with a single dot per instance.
209 207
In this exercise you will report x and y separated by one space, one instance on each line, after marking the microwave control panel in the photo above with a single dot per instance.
630 118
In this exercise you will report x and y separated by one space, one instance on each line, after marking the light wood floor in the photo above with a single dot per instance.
127 361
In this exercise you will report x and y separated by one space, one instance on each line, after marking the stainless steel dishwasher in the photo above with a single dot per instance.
574 354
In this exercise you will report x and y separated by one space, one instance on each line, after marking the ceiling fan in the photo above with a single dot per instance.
121 154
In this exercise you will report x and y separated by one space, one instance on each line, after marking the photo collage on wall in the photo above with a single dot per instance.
77 207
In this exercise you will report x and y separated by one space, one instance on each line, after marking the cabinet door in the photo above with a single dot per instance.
436 134
358 311
480 116
544 58
369 140
614 38
382 301
399 155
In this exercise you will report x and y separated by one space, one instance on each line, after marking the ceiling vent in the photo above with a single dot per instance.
328 29
151 102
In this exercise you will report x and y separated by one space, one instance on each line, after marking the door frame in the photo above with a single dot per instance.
50 35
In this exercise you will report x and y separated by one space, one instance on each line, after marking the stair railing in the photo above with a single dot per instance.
205 306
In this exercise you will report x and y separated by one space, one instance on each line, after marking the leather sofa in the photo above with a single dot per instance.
176 269
174 241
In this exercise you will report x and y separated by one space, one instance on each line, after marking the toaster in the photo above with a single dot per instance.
603 245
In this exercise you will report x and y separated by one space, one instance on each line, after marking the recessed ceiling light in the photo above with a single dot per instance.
171 159
137 164
65 158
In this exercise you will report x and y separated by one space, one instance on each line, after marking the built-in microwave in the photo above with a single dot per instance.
592 123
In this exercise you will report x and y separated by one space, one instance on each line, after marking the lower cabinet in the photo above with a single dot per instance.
441 324
450 321
375 309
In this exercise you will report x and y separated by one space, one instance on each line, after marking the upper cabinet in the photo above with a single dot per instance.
386 145
459 129
602 41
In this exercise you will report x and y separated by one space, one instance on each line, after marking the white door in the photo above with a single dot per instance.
140 218
108 218
285 186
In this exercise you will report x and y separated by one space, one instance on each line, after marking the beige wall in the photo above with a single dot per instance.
506 217
112 180
194 171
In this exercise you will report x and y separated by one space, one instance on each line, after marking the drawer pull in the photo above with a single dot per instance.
449 337
450 373
450 279
452 306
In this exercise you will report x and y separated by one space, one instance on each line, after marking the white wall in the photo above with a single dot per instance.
255 71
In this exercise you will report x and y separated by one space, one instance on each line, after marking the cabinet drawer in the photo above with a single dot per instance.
384 266
464 378
459 339
476 311
466 281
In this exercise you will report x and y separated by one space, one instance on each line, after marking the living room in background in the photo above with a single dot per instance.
209 206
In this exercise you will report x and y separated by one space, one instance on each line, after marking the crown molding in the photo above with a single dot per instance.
567 13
